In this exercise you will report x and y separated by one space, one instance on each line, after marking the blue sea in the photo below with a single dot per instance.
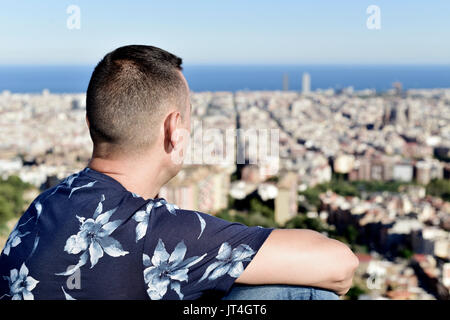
72 79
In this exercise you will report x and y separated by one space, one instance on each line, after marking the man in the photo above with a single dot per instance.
102 233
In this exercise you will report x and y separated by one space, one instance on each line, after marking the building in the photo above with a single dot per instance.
199 188
376 170
446 274
250 173
427 170
362 170
432 241
285 82
423 172
343 163
398 88
286 199
306 83
403 171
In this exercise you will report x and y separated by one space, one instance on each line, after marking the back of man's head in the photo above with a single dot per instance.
129 93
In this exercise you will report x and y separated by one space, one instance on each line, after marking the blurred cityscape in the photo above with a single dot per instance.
370 169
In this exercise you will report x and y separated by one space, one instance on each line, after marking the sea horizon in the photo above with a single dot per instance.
65 78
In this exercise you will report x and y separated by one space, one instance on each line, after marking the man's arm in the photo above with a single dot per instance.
302 257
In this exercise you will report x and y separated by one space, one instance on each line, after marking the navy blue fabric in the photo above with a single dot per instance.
90 238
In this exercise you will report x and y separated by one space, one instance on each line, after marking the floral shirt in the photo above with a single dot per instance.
90 238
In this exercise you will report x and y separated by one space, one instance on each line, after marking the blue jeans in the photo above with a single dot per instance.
278 292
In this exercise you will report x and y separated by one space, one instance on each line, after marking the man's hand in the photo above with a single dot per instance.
302 257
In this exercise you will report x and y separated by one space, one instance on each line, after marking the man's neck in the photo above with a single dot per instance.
144 178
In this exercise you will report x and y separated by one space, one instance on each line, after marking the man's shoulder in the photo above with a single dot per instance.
162 206
165 214
85 195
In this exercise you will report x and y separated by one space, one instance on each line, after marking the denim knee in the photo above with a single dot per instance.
278 292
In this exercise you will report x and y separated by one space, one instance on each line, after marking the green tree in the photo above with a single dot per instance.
301 221
439 188
344 188
350 188
11 200
312 195
257 206
406 253
249 219
257 219
355 292
225 214
351 234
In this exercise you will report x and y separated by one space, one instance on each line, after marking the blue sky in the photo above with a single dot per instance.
229 32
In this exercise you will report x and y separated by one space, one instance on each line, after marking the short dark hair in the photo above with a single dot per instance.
128 93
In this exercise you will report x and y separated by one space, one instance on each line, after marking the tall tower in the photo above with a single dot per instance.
398 88
285 82
306 83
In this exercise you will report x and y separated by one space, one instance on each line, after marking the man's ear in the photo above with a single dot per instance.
87 121
171 124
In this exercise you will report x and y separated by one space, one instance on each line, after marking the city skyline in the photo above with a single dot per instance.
75 79
370 170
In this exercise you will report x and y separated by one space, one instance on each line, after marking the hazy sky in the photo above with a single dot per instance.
229 31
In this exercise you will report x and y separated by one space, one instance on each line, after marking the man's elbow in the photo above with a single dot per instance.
347 264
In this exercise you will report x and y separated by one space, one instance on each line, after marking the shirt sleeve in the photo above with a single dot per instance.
190 255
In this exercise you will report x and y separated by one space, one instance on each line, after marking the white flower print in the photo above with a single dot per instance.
67 182
164 270
202 224
228 262
142 217
14 240
38 207
87 185
70 179
66 295
170 207
36 242
21 284
94 239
